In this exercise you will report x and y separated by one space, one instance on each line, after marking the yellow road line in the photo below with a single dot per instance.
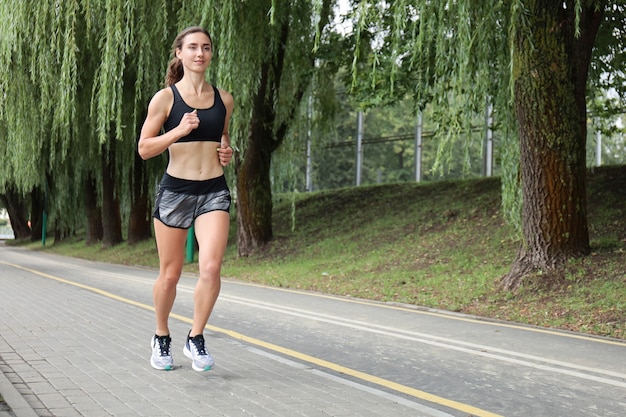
360 375
285 351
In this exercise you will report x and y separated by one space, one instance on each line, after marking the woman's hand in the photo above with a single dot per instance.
189 122
225 154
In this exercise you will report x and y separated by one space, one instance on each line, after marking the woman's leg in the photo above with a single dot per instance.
212 235
171 247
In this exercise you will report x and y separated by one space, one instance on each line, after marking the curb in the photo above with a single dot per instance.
14 399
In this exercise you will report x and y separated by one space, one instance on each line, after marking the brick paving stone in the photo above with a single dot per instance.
71 352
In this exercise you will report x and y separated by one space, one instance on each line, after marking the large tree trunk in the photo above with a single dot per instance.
254 191
254 188
17 208
139 222
37 207
550 66
93 211
111 218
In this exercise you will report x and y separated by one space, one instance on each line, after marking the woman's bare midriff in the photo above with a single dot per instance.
194 160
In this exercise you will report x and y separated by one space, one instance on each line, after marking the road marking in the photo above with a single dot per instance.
409 309
447 315
471 348
466 408
446 343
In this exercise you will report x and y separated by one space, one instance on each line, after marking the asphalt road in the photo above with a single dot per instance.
451 364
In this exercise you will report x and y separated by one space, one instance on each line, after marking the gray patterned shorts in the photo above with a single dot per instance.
179 202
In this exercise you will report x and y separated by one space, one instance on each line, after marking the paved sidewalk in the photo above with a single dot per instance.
67 352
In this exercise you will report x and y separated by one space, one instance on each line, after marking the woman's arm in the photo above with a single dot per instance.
151 143
225 151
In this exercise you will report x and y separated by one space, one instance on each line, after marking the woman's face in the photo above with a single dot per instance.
196 52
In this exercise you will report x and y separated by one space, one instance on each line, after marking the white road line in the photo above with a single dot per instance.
344 381
470 348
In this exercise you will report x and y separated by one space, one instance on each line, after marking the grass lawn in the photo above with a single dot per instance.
441 245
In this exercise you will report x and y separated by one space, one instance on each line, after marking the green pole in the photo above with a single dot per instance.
44 227
190 242
44 222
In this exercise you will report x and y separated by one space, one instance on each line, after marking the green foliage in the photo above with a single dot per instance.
64 76
607 73
456 55
77 75
248 38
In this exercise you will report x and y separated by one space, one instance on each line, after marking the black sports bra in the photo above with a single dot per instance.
211 120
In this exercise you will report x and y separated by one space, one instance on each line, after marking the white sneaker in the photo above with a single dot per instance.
194 349
161 358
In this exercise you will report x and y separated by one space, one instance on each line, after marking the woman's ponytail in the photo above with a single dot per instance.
174 72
